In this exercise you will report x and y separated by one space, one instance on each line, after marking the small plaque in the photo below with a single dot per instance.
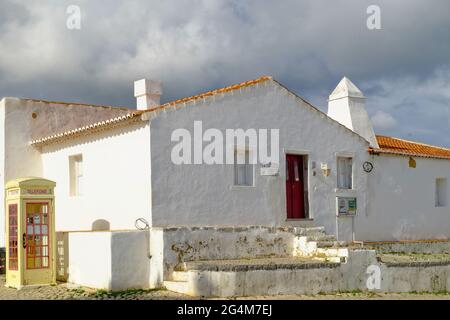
37 191
269 171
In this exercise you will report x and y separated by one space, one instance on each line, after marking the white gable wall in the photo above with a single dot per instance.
204 195
402 200
116 173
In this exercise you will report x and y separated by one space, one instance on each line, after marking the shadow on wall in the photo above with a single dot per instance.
101 225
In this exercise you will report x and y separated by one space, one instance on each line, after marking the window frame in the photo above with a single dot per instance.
248 166
13 236
440 190
75 166
347 156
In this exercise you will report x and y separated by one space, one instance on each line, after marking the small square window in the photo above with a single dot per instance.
76 175
441 192
344 173
243 172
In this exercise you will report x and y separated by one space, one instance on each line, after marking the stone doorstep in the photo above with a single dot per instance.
243 265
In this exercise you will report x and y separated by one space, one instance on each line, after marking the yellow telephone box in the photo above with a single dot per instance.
30 232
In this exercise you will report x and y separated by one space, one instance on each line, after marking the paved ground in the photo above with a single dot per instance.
62 292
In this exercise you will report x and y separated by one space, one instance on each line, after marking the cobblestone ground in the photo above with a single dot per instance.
62 292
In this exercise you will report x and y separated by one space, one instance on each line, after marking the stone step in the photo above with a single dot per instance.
310 231
267 264
177 286
332 252
330 244
321 237
335 259
180 276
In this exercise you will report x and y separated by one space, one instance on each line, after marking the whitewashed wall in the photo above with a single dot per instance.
18 158
18 127
203 195
21 159
116 173
402 200
108 260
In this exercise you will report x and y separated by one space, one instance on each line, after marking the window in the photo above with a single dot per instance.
76 175
344 173
37 235
441 192
13 244
243 173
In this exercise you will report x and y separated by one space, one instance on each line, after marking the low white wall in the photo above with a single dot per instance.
90 259
107 260
130 261
320 278
402 201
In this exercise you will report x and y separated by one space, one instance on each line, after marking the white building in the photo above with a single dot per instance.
113 166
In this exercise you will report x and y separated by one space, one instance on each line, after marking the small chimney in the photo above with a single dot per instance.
147 93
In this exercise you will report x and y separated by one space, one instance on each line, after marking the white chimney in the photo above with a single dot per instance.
346 105
147 93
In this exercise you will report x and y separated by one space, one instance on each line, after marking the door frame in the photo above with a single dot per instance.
306 182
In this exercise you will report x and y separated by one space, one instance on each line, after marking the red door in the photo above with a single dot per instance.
294 187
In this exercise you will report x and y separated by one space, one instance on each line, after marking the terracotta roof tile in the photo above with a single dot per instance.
76 104
134 114
212 93
390 145
88 128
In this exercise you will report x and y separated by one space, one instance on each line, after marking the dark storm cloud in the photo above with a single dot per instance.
197 45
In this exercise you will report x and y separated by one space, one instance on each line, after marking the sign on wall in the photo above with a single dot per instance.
346 206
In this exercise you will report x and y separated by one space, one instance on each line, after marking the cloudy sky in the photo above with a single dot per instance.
197 45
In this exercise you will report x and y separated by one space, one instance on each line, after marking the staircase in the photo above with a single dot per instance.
312 249
319 245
